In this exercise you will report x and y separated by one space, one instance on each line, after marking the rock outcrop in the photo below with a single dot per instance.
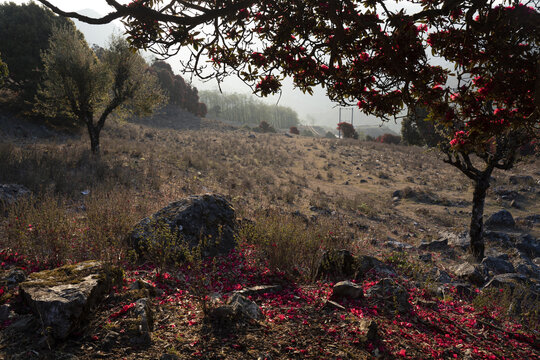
206 221
61 298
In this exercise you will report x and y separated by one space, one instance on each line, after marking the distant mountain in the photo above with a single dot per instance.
96 34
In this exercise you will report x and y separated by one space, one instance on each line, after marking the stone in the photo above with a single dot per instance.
397 245
11 193
336 264
521 180
495 238
241 305
436 245
497 265
14 277
439 275
470 273
502 218
395 296
259 290
62 298
397 194
456 240
205 221
366 264
144 318
528 244
370 328
503 280
347 289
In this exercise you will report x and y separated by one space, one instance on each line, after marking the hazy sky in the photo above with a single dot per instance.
317 108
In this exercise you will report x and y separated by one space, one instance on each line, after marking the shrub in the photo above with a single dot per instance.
389 139
294 130
347 130
265 127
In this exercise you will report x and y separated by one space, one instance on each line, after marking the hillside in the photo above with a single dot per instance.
400 212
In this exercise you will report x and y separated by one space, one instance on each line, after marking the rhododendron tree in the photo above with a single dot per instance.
348 131
374 54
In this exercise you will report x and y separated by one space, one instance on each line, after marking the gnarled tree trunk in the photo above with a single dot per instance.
477 219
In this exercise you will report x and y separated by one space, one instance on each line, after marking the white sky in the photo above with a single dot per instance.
317 108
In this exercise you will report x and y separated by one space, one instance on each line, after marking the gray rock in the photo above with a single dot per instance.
145 319
14 277
501 218
495 238
61 298
259 290
370 328
397 194
395 296
397 245
456 240
366 264
497 265
503 280
436 245
243 306
521 180
506 194
207 221
440 276
528 244
470 273
10 193
347 289
336 264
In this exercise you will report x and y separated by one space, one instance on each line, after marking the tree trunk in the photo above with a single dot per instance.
477 220
93 131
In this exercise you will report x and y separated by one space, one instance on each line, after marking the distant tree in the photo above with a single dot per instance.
330 135
294 130
247 109
76 83
347 130
265 127
3 71
389 139
202 110
24 34
178 92
417 130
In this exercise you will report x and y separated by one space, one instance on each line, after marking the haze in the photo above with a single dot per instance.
315 110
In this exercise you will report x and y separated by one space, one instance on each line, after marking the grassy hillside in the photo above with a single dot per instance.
299 196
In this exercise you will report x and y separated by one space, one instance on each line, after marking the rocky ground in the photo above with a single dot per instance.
402 287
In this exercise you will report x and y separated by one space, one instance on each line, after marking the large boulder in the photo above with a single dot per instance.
496 265
501 218
61 298
394 296
207 222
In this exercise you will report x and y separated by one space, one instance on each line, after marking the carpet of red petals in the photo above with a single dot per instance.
297 322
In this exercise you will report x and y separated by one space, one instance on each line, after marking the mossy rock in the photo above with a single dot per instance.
61 298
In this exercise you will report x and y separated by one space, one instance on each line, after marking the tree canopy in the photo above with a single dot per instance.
77 83
3 71
25 31
375 54
177 90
